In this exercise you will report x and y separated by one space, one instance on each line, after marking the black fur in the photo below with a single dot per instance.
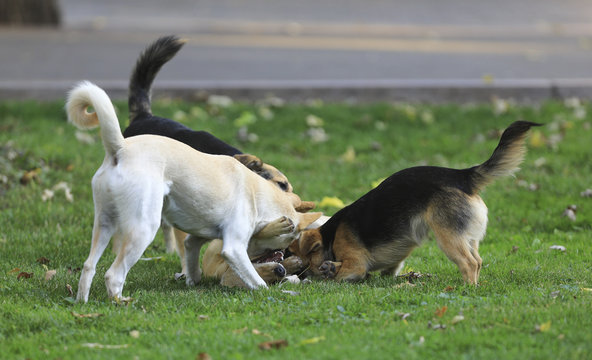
384 213
141 119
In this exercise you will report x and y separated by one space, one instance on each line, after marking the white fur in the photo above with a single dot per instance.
145 179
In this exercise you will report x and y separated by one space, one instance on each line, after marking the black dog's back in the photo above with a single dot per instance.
141 119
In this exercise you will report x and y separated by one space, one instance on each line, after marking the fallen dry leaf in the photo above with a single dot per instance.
441 311
29 176
457 319
240 331
375 183
75 270
203 317
102 346
15 270
436 326
332 201
449 288
69 289
405 284
291 293
257 332
203 356
349 156
557 247
412 276
403 316
317 135
314 340
49 274
43 260
314 121
24 275
135 334
544 327
570 212
85 316
47 195
274 344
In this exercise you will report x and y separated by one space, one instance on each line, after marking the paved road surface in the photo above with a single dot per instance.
543 47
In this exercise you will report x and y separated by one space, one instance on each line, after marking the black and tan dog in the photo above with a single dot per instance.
143 122
379 230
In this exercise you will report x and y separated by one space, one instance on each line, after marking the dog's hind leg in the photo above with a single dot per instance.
134 244
103 230
457 249
193 246
169 237
459 223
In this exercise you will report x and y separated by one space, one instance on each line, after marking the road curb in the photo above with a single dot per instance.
523 91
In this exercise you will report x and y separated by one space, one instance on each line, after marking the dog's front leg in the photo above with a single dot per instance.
234 252
193 246
280 226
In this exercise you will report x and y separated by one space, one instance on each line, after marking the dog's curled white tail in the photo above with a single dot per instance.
85 95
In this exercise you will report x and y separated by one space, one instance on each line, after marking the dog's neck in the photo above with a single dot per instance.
328 231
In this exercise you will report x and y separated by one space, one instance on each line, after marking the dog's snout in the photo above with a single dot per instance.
280 271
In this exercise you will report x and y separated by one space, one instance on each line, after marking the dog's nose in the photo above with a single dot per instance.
280 271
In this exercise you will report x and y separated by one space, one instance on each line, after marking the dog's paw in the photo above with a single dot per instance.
190 282
293 264
281 226
284 225
328 269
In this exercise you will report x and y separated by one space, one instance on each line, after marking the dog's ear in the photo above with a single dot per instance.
310 241
294 247
307 219
305 206
252 162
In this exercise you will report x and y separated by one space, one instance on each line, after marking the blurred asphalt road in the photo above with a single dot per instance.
426 50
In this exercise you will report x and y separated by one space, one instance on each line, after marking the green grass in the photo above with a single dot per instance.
532 303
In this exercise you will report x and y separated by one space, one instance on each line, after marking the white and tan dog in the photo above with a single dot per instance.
146 178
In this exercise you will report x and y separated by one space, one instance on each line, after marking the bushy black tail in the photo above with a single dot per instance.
149 63
506 157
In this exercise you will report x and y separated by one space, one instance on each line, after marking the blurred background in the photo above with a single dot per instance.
424 50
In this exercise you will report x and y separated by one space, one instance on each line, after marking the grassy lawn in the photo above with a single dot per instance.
533 302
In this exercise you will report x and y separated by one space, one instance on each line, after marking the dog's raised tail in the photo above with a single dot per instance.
148 65
507 156
85 95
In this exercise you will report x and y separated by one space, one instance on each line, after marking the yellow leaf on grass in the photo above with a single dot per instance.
375 183
545 326
537 139
331 201
313 340
349 156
